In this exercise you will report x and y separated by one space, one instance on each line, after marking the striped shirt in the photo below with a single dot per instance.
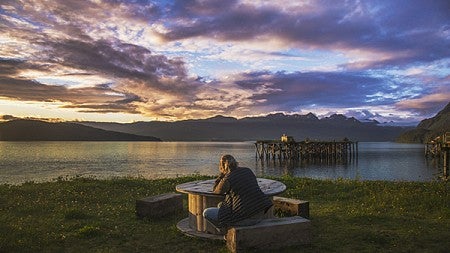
243 197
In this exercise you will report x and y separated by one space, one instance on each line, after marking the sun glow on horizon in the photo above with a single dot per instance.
54 110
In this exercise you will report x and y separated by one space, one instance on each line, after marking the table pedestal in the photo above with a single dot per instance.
197 204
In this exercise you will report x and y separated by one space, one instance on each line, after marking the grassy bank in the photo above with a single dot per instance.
99 216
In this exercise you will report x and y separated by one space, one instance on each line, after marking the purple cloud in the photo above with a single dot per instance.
321 88
407 31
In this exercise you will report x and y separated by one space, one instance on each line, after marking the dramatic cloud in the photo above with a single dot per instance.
401 31
383 60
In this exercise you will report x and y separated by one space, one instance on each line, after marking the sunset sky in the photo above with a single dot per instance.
128 61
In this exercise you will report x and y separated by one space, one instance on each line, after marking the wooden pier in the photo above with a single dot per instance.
321 151
439 148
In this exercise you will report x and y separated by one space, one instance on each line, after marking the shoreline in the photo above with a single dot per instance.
95 178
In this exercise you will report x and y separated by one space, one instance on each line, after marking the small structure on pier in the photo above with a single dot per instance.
288 148
285 138
439 148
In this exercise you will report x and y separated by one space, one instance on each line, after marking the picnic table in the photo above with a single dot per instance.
201 196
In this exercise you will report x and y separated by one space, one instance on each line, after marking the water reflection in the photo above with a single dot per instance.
438 163
375 161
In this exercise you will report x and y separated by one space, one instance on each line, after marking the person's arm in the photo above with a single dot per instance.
218 179
222 185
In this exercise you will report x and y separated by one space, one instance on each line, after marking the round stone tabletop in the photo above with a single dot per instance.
205 187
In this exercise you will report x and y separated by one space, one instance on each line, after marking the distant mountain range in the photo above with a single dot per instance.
428 129
272 126
33 130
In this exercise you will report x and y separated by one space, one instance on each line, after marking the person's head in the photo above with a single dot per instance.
227 163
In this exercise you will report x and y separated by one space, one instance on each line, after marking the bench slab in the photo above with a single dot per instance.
292 206
270 234
159 205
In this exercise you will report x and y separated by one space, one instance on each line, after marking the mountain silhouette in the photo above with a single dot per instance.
428 129
272 126
34 130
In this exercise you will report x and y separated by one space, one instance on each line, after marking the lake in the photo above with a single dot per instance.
46 161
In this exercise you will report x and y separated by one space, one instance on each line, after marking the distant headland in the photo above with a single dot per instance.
34 130
428 129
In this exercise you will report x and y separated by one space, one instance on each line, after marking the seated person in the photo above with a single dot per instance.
244 205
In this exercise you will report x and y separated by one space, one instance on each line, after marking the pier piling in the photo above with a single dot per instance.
439 148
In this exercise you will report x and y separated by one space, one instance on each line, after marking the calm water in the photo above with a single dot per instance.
44 161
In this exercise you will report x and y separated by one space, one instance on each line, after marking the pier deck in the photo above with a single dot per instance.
306 150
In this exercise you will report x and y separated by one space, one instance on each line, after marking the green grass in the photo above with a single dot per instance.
88 215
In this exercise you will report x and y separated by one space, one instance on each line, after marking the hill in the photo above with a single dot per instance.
34 130
428 129
272 126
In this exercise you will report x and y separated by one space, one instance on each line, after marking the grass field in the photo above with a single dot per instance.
89 215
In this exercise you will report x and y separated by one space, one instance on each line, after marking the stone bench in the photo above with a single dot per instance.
159 205
292 206
270 234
